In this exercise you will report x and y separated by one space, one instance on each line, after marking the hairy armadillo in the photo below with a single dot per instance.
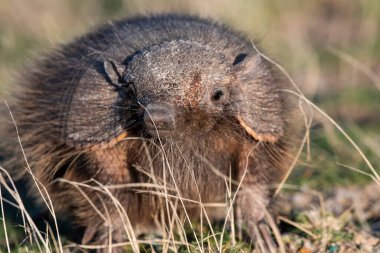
143 119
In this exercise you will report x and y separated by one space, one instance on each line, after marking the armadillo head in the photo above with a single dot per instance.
184 88
178 88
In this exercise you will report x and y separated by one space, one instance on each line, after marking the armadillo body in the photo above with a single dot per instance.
149 111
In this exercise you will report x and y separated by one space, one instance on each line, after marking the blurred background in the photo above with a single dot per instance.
331 48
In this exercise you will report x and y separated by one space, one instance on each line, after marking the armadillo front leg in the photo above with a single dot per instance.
109 197
253 198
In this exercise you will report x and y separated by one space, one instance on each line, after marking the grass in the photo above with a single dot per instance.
331 50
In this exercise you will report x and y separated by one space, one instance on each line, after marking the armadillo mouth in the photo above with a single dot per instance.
157 133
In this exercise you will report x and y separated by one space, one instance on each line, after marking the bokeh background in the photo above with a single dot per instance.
331 48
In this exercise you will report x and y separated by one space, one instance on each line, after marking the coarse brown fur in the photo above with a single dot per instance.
83 111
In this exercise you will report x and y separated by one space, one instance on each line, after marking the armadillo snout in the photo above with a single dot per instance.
159 119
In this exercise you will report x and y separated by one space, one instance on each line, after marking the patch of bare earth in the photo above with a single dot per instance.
345 219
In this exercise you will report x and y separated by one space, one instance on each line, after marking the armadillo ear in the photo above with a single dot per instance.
259 106
113 71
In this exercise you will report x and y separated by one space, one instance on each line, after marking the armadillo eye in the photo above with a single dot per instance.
239 58
217 95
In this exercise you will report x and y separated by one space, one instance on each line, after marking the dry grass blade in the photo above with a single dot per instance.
300 95
357 64
296 225
230 207
43 192
275 230
125 219
344 133
358 171
295 160
124 244
39 238
3 219
166 166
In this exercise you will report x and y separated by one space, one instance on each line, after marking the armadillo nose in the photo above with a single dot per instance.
159 119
